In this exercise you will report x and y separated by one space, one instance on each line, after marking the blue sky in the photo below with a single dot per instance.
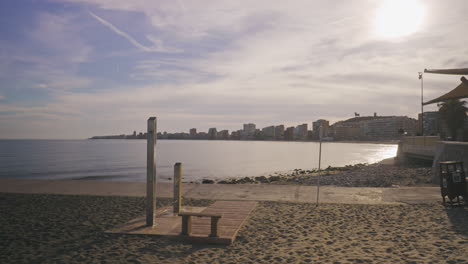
77 68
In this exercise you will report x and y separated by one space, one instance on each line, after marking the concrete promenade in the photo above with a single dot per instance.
248 192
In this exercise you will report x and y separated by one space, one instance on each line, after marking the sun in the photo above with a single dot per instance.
399 18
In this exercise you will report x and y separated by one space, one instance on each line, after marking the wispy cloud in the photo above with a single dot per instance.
50 55
158 47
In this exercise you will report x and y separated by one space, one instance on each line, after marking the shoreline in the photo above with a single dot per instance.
384 173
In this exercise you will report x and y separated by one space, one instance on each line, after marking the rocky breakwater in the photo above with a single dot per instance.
359 175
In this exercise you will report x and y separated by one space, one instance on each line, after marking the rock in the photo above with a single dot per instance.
245 180
206 181
274 178
262 179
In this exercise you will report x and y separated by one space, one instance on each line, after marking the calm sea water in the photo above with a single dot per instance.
125 160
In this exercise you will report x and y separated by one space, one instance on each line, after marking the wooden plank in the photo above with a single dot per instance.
203 214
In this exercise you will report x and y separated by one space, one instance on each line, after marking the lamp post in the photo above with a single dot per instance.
422 105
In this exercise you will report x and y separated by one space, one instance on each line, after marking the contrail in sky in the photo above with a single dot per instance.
125 35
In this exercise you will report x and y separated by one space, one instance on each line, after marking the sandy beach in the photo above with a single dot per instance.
39 228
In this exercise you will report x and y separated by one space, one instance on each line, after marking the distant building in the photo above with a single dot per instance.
193 132
178 136
346 132
392 127
202 135
279 132
289 133
268 132
235 135
374 128
249 131
223 134
212 133
316 128
300 132
258 134
249 128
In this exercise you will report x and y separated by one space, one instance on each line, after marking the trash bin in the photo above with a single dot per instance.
452 180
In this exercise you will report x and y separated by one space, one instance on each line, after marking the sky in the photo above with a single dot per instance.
79 68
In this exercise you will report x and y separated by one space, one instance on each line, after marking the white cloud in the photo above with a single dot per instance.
264 62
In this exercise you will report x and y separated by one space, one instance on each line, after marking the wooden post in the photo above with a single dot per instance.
186 225
151 173
177 188
214 227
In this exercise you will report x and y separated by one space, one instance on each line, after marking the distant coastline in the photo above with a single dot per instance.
359 129
129 137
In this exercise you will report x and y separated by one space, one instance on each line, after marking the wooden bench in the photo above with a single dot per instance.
187 222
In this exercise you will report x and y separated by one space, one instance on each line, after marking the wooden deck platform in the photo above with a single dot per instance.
234 215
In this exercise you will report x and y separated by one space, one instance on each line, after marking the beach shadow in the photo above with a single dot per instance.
458 216
180 249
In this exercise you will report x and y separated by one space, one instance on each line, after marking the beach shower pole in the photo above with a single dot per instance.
320 160
151 173
177 188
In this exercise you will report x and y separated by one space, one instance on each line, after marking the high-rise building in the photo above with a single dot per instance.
289 133
301 132
249 131
249 128
279 132
268 132
316 128
212 133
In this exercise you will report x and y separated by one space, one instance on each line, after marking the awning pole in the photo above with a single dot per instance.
422 102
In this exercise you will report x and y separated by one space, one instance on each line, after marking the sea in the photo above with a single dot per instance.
125 160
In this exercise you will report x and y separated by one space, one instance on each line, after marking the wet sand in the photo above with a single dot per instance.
38 228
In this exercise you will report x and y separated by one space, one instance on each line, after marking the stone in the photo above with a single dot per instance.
207 181
262 179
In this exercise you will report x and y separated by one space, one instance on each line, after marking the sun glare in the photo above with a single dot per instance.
399 18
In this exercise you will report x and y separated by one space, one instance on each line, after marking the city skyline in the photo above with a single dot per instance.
77 68
358 128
